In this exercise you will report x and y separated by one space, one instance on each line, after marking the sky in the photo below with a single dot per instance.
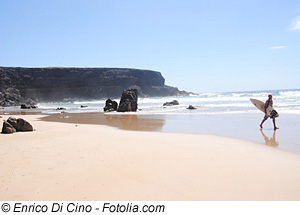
197 45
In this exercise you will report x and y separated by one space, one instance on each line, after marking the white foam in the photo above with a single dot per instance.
286 101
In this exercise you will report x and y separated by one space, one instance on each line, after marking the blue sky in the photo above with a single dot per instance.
198 46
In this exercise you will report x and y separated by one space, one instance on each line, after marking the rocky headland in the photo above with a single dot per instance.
54 84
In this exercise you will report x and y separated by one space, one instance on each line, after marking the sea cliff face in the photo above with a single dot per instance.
30 85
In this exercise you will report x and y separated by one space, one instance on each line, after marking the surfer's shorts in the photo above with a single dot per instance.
273 115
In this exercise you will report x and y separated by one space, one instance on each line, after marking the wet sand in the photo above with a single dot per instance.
242 126
130 122
64 161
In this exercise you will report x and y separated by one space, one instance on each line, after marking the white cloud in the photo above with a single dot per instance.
277 47
295 25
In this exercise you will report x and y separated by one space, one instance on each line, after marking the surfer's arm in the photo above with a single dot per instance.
265 107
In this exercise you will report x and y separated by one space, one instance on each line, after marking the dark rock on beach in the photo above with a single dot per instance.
128 101
12 125
56 84
20 124
60 108
174 102
26 106
191 107
110 105
23 125
12 121
7 128
23 106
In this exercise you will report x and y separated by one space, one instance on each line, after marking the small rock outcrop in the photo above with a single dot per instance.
128 101
7 128
12 121
60 108
191 107
26 106
20 124
110 105
12 125
174 102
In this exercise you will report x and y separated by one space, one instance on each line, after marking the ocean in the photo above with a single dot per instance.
229 114
285 102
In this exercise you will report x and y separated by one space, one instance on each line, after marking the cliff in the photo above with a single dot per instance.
31 85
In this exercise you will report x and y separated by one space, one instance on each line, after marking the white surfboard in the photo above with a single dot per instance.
260 106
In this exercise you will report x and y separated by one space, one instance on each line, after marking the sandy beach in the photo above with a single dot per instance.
64 161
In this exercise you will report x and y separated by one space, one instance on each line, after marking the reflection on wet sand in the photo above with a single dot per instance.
270 141
127 121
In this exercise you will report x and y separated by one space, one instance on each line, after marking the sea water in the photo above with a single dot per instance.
285 101
229 114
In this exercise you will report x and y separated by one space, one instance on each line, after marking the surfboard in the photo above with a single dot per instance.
271 112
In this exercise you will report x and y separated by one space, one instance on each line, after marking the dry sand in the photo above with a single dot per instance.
61 161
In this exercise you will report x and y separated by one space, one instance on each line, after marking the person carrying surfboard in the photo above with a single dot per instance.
268 103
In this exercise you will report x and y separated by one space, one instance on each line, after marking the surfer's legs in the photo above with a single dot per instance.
274 124
262 122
